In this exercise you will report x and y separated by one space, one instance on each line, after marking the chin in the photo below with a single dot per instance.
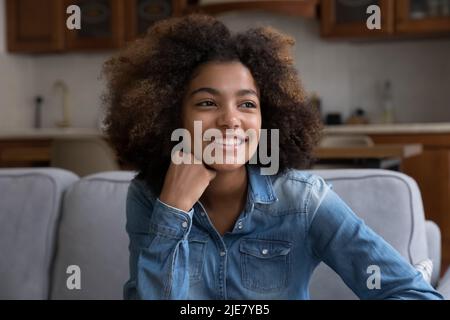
225 167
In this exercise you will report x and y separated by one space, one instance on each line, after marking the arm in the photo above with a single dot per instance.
159 228
343 241
158 247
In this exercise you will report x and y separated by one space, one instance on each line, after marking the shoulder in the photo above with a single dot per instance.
140 193
300 180
301 176
139 207
300 189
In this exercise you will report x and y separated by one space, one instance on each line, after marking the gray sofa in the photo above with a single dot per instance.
51 220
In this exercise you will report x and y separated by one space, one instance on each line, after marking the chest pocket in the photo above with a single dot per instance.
197 248
265 264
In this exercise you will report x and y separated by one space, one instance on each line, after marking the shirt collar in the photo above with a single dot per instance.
260 185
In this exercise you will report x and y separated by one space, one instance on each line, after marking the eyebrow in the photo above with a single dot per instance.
216 92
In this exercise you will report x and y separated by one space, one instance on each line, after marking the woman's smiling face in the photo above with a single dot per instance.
224 96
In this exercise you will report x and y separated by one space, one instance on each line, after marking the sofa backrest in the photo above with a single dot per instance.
29 211
92 241
91 232
390 203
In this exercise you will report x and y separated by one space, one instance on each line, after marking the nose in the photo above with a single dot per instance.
229 119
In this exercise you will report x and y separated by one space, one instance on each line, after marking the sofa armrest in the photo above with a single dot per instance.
434 249
444 285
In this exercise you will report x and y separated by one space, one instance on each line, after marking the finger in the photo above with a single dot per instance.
208 167
177 157
197 159
211 172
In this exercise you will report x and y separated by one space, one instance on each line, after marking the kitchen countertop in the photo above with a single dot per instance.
49 133
379 151
396 128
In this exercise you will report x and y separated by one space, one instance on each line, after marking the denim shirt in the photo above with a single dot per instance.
291 222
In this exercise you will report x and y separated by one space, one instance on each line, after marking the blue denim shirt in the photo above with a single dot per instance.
290 223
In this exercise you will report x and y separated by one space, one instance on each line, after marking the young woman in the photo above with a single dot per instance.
224 230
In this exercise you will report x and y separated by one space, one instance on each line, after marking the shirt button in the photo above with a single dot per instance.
202 214
264 251
222 253
240 225
184 224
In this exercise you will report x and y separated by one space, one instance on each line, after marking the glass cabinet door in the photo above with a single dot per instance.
422 16
422 9
101 25
347 18
351 11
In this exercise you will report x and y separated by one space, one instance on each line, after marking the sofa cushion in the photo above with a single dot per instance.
390 203
29 212
434 249
92 237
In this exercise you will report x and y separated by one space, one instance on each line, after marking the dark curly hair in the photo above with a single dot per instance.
146 83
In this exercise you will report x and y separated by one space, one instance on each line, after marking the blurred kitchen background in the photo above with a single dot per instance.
384 94
347 65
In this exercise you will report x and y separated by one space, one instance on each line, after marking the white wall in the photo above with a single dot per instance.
16 84
346 75
81 73
22 77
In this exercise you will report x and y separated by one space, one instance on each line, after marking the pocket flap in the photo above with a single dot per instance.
265 248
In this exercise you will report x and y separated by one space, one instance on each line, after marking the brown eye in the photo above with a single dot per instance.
208 104
248 105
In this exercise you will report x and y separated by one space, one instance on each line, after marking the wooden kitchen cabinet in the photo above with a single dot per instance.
40 26
24 153
35 26
62 151
399 18
347 18
431 170
422 17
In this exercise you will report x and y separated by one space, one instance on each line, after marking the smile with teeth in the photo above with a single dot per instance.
229 142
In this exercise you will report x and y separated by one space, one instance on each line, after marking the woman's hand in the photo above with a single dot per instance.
185 182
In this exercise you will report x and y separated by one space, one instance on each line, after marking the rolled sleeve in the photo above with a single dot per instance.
169 221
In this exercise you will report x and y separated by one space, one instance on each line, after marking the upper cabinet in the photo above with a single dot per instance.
422 17
347 18
35 26
39 26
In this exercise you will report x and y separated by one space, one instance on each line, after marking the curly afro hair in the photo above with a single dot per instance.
146 83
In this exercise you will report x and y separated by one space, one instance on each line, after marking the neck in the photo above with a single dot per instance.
226 188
